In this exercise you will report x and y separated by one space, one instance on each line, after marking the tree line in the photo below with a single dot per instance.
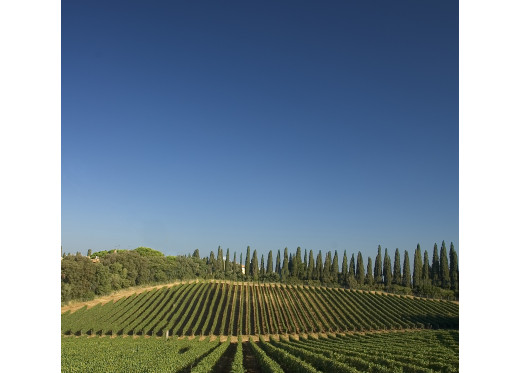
82 278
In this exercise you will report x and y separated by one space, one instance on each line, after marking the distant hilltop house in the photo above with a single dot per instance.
95 260
243 269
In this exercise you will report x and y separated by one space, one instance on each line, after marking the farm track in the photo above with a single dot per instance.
251 365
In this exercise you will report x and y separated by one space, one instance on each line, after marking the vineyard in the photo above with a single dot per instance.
235 309
409 351
195 327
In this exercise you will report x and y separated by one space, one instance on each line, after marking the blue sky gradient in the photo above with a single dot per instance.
194 124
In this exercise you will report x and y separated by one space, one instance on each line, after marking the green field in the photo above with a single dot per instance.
182 328
207 308
409 351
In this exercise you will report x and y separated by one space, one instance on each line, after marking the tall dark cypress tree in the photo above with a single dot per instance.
378 268
407 277
311 268
436 272
454 268
303 272
227 264
360 269
344 269
220 263
240 267
270 262
335 268
285 266
262 268
212 262
397 278
278 264
254 266
417 267
319 266
297 263
234 266
387 269
248 262
444 268
291 273
352 283
370 276
426 269
326 269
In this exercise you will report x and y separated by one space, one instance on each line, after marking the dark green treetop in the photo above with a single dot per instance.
397 277
407 276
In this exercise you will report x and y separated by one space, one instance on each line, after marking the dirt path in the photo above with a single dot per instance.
226 361
250 363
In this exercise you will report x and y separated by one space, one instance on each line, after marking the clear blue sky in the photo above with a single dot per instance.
194 124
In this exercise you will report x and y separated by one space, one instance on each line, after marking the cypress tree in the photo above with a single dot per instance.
319 266
344 269
335 268
285 266
254 266
248 262
297 263
387 269
270 262
407 277
303 272
426 269
212 262
262 267
235 266
220 262
444 268
417 267
326 268
454 268
311 268
370 276
352 273
227 264
196 254
278 265
360 269
290 265
397 278
436 273
378 268
240 266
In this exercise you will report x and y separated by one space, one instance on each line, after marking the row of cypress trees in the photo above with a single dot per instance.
441 273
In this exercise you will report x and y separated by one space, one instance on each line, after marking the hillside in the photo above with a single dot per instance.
233 309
